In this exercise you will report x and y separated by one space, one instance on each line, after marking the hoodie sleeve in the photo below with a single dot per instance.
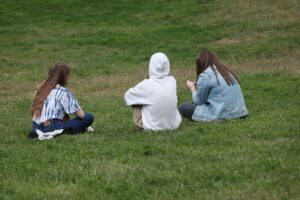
139 95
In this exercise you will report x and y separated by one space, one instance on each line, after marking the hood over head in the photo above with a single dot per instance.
159 66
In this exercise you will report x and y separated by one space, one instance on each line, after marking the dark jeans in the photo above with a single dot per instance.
72 126
187 109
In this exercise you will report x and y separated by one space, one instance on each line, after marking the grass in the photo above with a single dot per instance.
108 45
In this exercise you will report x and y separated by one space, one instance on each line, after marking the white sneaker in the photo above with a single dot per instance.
48 135
90 129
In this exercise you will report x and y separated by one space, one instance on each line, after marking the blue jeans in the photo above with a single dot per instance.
187 109
72 126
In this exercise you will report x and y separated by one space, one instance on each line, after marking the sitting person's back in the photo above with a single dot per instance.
52 105
155 98
223 101
216 95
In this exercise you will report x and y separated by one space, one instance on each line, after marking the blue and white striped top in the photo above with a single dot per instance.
59 102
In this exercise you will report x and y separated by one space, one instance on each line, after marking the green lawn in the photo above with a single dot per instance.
108 45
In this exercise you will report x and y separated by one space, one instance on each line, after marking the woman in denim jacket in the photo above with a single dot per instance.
216 94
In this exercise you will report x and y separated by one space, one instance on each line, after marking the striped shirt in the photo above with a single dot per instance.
59 102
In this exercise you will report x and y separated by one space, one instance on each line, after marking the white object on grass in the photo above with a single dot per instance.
48 135
90 129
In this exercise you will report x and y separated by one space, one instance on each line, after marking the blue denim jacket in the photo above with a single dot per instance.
217 101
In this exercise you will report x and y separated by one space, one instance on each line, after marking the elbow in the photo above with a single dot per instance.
126 96
199 102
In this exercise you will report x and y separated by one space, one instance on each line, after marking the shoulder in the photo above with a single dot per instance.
142 87
144 83
171 78
62 89
207 74
66 93
204 76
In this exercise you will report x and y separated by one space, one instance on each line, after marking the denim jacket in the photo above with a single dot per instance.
217 101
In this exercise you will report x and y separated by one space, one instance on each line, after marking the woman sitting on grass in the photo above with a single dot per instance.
154 100
216 95
52 105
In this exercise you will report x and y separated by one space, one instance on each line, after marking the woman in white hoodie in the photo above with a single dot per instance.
154 100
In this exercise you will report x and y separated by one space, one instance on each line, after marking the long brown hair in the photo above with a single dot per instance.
210 59
58 74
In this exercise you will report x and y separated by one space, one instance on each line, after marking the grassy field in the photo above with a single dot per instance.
108 45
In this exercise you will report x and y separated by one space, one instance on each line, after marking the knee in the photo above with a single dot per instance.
187 110
89 117
183 107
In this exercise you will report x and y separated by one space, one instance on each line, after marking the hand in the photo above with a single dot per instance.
66 117
191 85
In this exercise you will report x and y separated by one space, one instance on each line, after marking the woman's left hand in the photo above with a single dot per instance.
191 85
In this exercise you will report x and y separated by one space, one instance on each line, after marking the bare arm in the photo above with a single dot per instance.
80 113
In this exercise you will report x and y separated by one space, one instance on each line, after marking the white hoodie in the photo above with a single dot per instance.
157 95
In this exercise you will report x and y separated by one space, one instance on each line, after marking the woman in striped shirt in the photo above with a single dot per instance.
52 105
